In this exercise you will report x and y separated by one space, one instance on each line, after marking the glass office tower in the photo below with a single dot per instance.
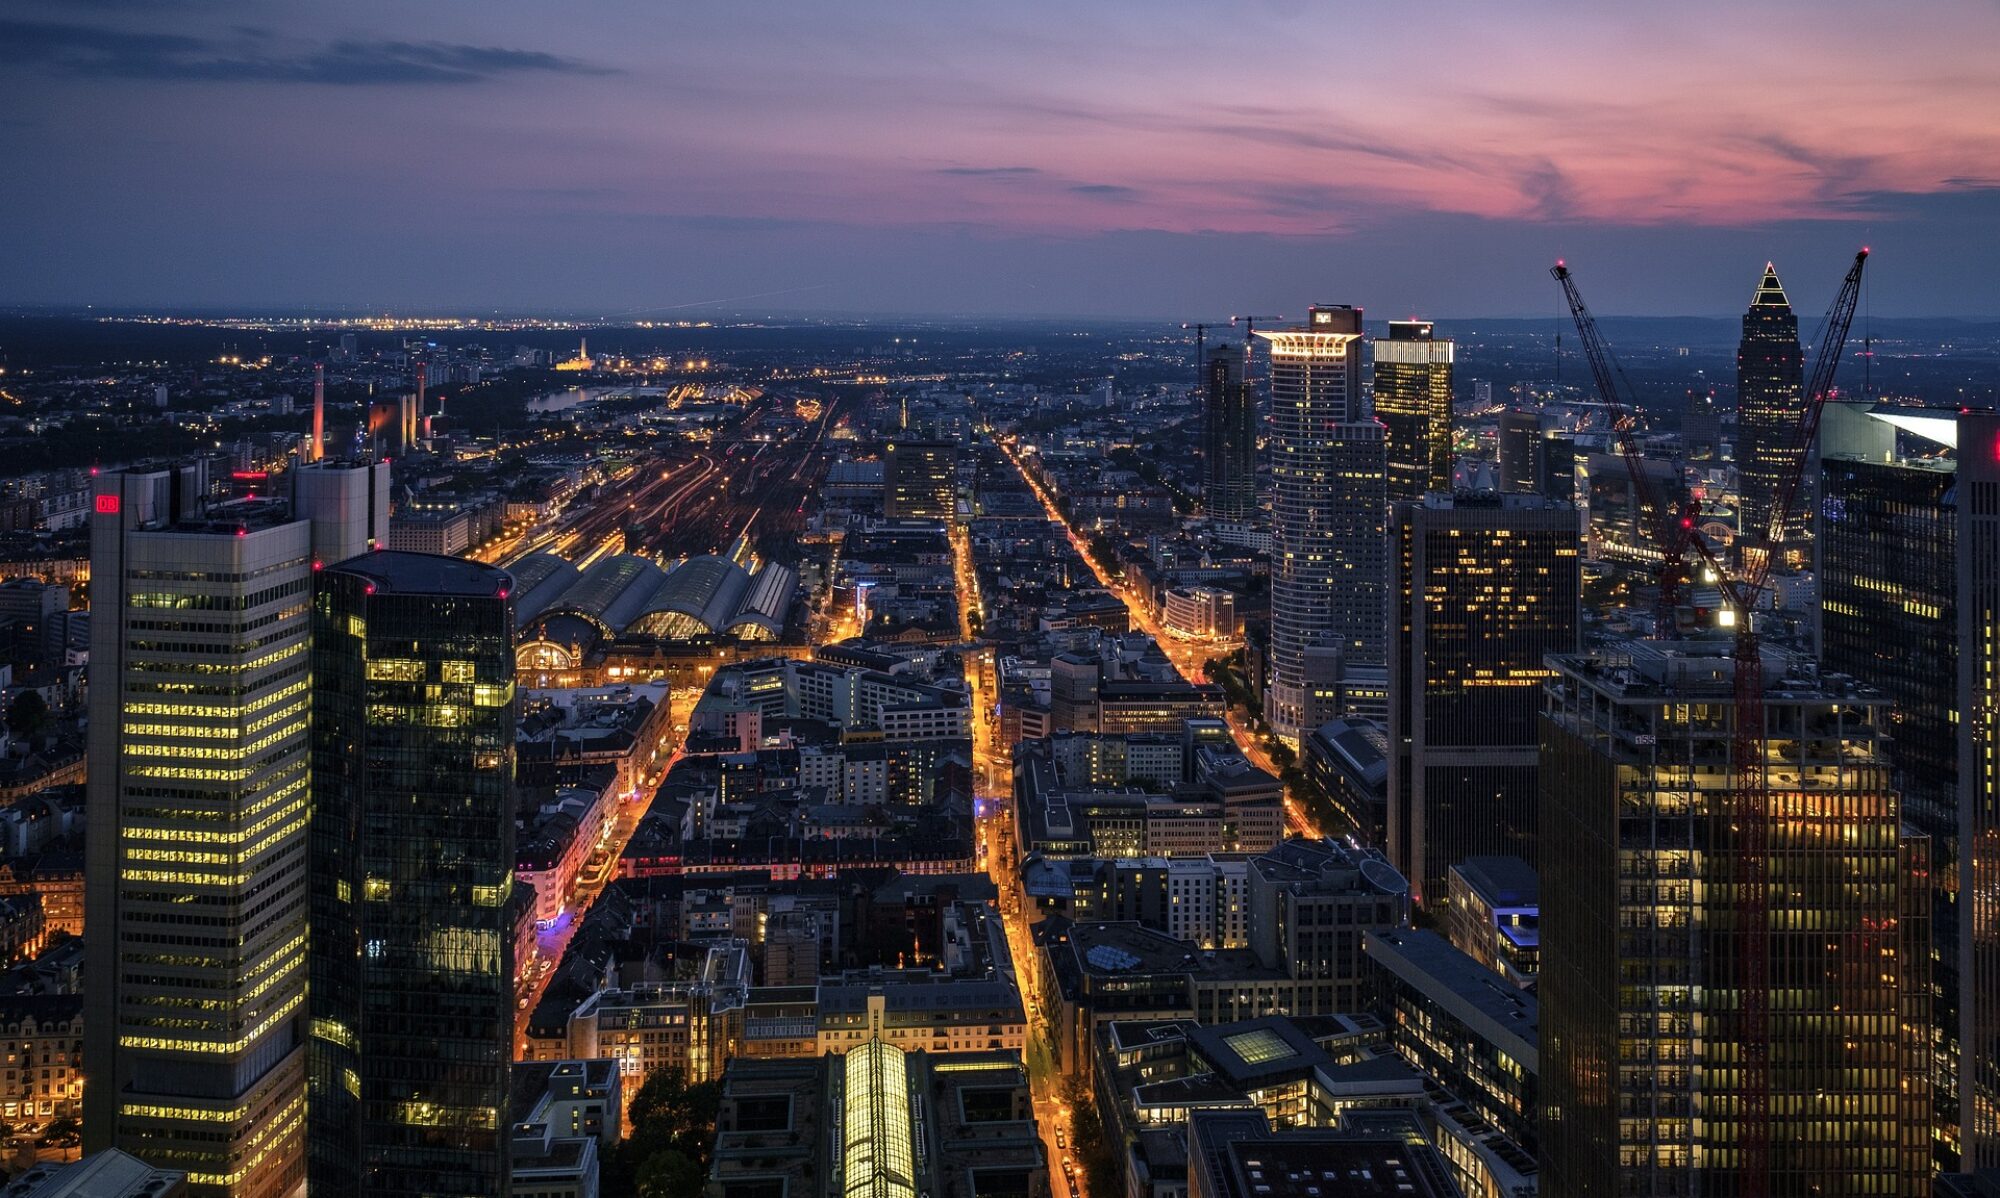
1770 394
1649 1084
411 947
1887 543
1413 402
1488 586
1329 507
196 854
1229 437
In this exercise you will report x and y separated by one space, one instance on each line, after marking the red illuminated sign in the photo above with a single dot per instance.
107 505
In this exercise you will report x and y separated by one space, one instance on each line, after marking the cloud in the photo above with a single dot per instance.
991 172
1550 194
1310 134
92 51
1105 191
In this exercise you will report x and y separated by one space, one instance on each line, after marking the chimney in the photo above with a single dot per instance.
317 450
411 414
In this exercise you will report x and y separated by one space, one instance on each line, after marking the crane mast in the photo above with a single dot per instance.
1748 814
1674 514
1751 805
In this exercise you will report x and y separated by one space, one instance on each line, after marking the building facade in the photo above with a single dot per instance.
1518 448
1887 539
412 947
1487 587
1978 866
1770 395
918 480
196 855
1650 1042
1229 437
1329 497
1413 402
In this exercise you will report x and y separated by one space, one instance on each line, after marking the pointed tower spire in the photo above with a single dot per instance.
1770 292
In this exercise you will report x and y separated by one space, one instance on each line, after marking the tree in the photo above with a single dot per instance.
673 1133
27 715
669 1174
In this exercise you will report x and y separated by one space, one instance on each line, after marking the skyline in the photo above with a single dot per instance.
1122 161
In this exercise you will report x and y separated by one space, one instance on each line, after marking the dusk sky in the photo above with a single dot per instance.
1145 158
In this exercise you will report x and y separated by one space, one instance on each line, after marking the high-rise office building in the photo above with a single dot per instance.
1488 587
1519 449
1229 437
1978 552
1701 428
1329 501
1660 1075
1770 394
411 948
1889 599
196 875
919 480
1413 402
1555 465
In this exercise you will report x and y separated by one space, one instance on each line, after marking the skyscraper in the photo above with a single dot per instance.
1229 438
1889 616
1413 402
196 871
412 960
1488 587
1329 501
1648 1034
1978 545
918 481
1519 448
1770 393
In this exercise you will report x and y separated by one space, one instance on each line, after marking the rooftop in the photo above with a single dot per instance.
427 574
1502 881
1477 997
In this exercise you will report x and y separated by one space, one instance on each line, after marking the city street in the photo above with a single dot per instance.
1186 656
993 818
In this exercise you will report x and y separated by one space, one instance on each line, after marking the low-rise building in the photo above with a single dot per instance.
111 1173
1475 1035
1238 1154
41 1058
1201 613
1493 915
1348 759
921 1010
564 734
563 1116
956 1125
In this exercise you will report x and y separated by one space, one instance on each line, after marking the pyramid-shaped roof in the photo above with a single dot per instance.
1770 292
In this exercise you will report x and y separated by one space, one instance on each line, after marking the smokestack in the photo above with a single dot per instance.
411 414
318 449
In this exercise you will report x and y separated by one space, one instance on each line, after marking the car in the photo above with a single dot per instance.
1062 1141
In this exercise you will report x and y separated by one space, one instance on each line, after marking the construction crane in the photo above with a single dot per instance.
1750 796
1249 339
1200 342
1675 514
1250 327
1201 329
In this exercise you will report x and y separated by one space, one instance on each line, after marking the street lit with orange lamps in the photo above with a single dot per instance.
1184 655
